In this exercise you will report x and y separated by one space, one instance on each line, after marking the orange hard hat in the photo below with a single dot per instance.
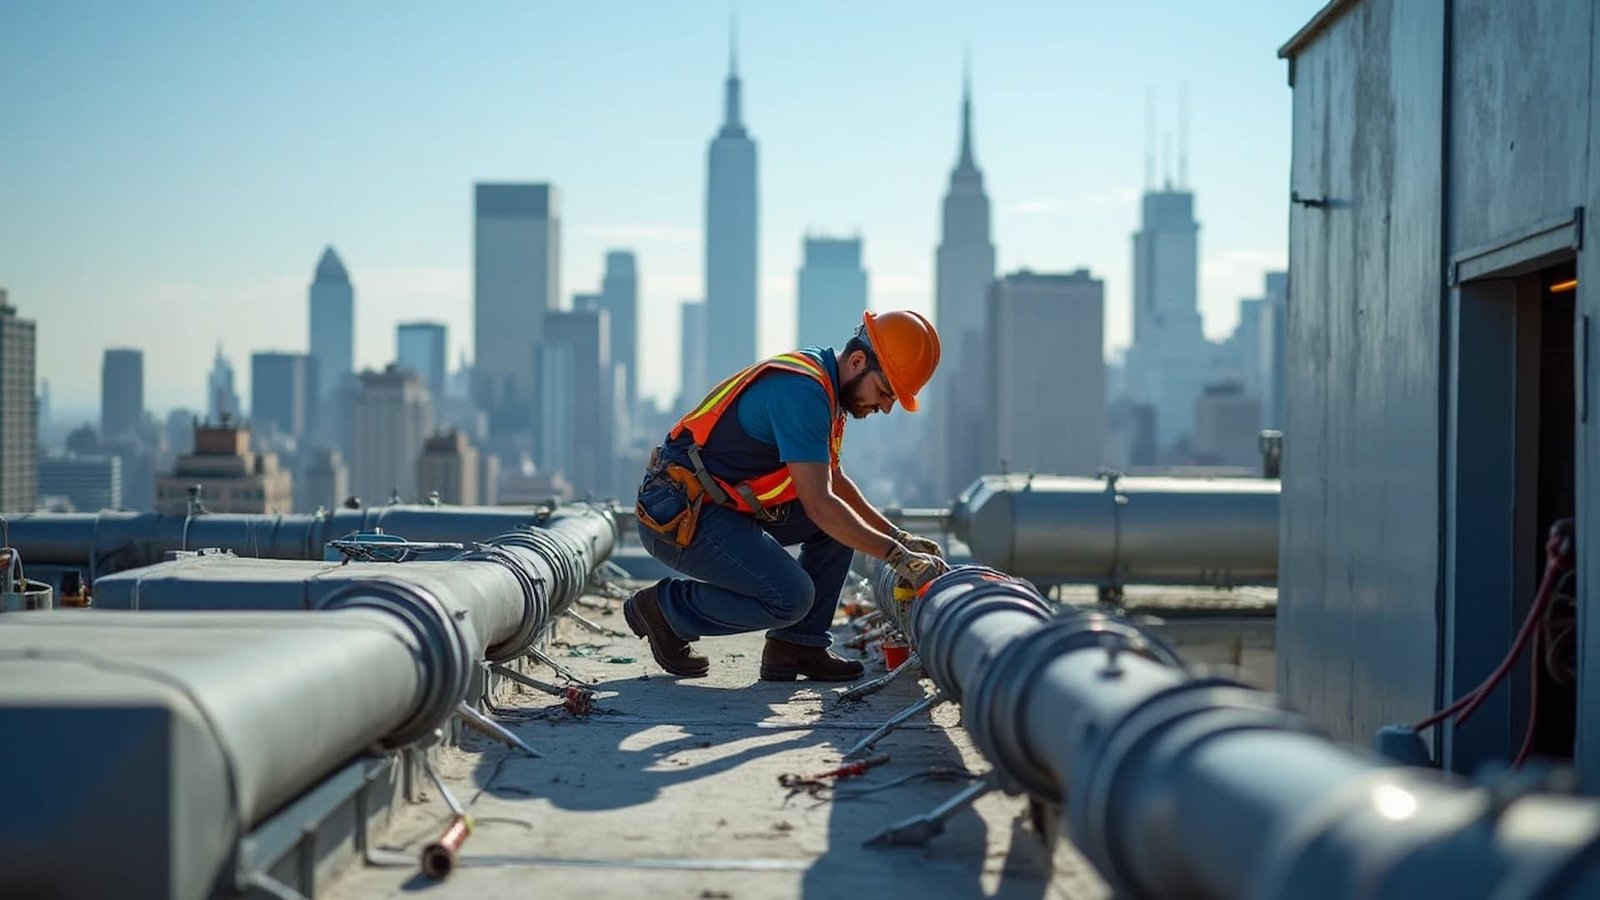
907 347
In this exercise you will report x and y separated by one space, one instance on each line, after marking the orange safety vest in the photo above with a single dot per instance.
757 495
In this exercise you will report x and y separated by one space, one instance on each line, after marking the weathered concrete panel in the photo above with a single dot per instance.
1358 583
1519 129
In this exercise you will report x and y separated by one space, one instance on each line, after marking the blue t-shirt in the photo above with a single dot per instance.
782 417
790 411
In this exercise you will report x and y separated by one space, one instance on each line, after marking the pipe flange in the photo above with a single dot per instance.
999 733
1092 809
532 620
959 611
448 659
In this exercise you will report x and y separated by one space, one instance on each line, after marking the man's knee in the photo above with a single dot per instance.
792 598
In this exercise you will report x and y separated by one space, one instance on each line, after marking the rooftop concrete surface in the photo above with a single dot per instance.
670 789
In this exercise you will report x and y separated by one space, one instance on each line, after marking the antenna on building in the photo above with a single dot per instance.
1149 139
1183 135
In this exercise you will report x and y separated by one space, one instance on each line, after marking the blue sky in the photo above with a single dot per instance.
170 172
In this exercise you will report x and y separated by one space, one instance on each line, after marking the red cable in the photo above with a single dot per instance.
1558 558
1533 701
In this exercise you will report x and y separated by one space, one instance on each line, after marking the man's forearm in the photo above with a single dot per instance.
839 520
851 495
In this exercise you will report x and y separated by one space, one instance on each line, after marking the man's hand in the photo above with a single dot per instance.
916 568
917 543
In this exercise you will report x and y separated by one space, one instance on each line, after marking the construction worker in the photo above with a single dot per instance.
754 468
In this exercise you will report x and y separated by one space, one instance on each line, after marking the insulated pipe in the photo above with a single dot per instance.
143 746
1177 785
1123 529
107 542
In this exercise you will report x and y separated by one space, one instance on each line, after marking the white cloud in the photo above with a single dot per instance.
641 232
1035 207
1241 262
1115 197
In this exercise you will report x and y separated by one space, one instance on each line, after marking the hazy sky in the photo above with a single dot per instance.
170 172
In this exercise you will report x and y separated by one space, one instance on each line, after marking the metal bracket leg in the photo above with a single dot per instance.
919 830
895 721
490 727
539 656
595 627
867 688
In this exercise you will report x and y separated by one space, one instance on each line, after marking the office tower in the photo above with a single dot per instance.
964 268
575 378
19 418
222 398
831 292
325 481
231 478
692 384
731 239
1048 373
619 297
392 418
89 483
1169 360
279 393
449 466
1227 426
121 395
422 347
333 325
516 280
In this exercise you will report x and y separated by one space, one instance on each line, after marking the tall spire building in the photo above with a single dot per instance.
333 325
965 269
731 233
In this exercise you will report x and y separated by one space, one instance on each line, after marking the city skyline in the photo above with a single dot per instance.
1065 165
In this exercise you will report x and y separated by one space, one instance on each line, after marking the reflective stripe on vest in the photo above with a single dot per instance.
773 488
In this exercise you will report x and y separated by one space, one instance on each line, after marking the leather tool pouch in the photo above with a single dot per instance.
679 528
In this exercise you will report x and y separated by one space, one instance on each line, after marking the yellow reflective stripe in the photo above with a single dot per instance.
782 486
717 395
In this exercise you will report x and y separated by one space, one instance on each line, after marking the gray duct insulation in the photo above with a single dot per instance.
109 541
1137 530
1182 786
142 745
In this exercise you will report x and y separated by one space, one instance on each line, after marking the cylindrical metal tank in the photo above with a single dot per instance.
1117 530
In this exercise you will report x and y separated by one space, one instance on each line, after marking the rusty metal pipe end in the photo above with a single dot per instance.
439 857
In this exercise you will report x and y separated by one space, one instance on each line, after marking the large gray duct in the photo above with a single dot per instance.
108 542
1181 786
1123 530
141 746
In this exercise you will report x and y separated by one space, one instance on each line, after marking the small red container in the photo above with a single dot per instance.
894 654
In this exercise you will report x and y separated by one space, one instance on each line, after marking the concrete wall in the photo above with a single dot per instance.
1452 144
1359 564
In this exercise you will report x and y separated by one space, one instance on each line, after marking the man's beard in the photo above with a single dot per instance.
850 397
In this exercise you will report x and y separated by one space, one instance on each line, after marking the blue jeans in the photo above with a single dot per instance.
746 580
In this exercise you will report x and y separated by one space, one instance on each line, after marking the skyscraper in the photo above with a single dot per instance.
1169 360
422 347
222 398
279 393
449 465
575 374
1047 373
19 422
731 238
121 395
333 325
692 384
619 297
831 293
516 280
392 417
964 266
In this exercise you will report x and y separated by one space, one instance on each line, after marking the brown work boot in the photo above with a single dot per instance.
783 661
671 652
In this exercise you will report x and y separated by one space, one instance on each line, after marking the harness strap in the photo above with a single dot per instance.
712 489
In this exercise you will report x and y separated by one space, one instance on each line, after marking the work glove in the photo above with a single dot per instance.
916 543
916 569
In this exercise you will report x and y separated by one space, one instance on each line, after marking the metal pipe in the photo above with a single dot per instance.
110 541
1177 785
1123 530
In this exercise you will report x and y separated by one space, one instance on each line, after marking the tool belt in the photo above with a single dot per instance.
679 530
